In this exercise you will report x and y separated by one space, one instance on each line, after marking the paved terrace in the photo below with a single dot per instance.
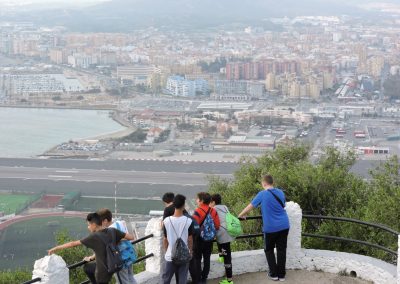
295 277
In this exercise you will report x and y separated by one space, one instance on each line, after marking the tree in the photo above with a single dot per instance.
326 187
392 87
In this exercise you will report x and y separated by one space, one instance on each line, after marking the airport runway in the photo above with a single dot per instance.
141 179
134 178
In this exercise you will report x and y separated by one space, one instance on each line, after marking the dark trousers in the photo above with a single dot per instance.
170 269
225 251
277 267
203 250
90 269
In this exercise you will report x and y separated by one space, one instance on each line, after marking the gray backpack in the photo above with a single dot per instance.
180 251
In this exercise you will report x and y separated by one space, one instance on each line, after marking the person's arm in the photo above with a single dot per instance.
190 244
165 243
246 211
64 246
196 216
217 222
89 258
129 237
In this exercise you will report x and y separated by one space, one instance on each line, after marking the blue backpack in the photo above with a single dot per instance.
128 252
207 227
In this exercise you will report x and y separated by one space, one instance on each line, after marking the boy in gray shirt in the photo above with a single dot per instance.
223 238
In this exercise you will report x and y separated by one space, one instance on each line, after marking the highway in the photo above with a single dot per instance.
97 178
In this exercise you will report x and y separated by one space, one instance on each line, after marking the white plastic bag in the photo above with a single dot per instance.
52 269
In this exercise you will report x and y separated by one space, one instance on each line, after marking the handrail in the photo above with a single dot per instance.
82 262
344 219
341 219
143 258
34 280
142 239
350 240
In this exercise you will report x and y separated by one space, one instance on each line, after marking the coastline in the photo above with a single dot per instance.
104 107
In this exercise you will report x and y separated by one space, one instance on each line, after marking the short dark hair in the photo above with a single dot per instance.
267 179
204 197
168 197
105 214
94 218
216 198
179 201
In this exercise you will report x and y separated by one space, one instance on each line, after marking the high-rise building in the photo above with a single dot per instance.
270 82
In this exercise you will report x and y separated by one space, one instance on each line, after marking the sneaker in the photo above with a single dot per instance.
273 278
282 279
225 281
221 259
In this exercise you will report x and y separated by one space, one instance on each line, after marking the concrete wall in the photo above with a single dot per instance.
364 267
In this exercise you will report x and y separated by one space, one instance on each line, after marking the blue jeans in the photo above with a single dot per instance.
126 276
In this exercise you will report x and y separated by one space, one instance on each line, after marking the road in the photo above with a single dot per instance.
142 179
97 178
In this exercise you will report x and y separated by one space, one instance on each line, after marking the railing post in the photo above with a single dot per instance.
154 246
398 260
294 238
51 269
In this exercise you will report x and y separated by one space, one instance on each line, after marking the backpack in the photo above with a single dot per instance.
207 227
180 252
114 261
233 225
127 250
196 226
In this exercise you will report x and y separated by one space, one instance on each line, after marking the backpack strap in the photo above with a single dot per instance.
205 216
174 227
277 199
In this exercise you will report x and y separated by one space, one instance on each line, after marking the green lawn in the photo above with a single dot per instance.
10 202
22 243
127 206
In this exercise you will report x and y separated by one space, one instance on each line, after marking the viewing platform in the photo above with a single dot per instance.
303 265
296 277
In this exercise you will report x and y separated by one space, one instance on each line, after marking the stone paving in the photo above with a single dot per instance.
295 277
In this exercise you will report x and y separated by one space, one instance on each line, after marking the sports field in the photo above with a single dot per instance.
126 206
10 202
24 242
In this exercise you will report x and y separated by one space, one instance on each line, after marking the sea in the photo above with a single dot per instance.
29 132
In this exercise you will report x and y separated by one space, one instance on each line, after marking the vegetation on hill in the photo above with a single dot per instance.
326 187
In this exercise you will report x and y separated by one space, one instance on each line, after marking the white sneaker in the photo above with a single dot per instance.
273 278
282 279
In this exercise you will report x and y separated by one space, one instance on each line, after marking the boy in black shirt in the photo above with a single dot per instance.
94 242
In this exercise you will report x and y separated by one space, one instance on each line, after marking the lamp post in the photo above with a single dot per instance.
115 199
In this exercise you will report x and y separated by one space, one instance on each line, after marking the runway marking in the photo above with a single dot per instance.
72 172
54 176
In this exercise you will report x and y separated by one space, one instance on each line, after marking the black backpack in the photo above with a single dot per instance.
114 262
180 252
195 226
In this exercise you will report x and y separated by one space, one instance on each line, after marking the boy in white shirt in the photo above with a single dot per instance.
176 226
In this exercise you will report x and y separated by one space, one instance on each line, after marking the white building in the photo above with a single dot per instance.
179 86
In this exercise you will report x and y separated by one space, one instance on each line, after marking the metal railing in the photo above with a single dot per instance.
83 262
335 238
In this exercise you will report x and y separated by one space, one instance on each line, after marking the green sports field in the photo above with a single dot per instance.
10 202
126 206
24 242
